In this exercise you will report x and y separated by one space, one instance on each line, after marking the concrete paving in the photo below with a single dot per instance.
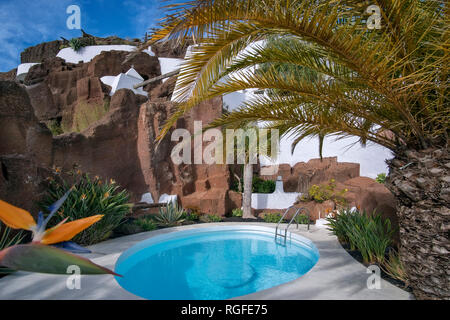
336 275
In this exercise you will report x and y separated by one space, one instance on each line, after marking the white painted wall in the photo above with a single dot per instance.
169 65
22 70
276 200
88 53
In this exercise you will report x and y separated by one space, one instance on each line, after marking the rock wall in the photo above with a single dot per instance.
25 148
41 51
8 76
108 147
304 174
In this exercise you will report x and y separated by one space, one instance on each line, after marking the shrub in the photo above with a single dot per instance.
89 197
302 219
237 212
394 267
7 240
146 223
381 178
170 215
262 186
191 214
272 217
75 44
211 218
323 192
78 43
371 235
258 185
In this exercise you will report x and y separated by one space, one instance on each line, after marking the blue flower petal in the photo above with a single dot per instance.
71 247
55 207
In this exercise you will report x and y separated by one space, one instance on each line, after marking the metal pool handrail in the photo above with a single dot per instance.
290 222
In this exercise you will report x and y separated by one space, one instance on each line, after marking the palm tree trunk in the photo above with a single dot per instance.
247 197
420 180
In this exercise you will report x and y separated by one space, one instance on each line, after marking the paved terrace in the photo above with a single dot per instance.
335 276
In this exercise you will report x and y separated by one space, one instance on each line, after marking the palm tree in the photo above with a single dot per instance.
387 86
250 157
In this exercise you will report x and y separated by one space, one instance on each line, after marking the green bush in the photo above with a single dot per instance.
272 217
237 212
7 240
381 178
258 185
78 43
394 267
263 186
371 235
75 44
302 219
170 215
323 192
146 223
89 197
211 218
191 214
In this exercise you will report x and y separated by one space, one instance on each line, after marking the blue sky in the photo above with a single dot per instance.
24 23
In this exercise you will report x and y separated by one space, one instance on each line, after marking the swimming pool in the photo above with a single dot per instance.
213 263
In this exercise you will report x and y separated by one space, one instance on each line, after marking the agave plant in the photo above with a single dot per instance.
75 44
41 255
386 85
170 215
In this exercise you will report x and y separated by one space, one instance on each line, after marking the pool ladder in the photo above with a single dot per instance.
280 234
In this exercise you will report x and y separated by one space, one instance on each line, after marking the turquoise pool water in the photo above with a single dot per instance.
213 263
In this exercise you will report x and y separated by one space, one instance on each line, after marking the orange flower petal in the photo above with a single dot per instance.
14 217
67 231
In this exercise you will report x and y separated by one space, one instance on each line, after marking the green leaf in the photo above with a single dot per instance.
46 259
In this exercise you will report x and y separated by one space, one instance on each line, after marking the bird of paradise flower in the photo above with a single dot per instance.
42 255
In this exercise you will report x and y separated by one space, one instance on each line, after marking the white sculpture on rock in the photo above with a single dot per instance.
124 81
